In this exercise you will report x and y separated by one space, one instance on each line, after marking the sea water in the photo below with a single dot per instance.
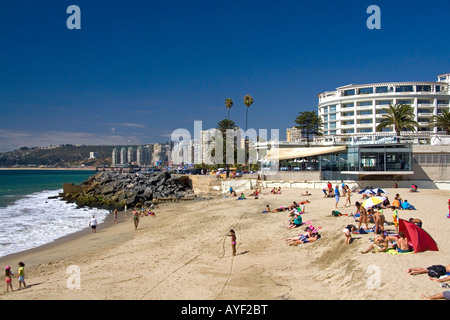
30 217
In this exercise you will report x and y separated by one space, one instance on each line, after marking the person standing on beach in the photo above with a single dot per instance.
115 215
93 224
21 275
336 195
8 278
362 215
232 234
135 219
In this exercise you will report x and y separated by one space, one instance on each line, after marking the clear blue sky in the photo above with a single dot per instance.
139 69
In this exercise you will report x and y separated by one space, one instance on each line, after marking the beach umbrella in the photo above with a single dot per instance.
417 237
367 191
372 201
376 190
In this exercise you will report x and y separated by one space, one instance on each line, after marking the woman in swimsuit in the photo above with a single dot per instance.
135 219
362 215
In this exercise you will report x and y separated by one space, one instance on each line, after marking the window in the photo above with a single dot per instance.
350 92
365 121
381 89
332 125
333 116
365 113
348 105
347 123
404 89
438 88
404 102
325 118
348 114
365 103
384 102
442 101
423 88
365 130
423 101
425 111
366 90
333 108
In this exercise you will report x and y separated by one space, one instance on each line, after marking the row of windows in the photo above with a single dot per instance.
399 88
431 159
332 108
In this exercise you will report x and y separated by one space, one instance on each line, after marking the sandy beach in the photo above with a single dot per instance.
183 254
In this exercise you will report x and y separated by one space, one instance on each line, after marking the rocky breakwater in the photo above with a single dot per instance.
117 190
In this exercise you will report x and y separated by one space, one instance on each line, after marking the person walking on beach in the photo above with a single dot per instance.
348 193
135 219
232 234
93 224
21 275
8 278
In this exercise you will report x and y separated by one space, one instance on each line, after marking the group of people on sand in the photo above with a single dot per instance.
438 273
311 235
337 193
20 276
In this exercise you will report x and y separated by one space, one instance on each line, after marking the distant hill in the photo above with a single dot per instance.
57 156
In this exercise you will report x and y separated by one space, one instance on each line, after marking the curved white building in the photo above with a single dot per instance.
357 109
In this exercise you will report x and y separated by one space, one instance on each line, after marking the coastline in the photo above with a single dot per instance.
33 168
183 253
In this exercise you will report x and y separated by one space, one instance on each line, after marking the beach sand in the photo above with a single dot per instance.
183 254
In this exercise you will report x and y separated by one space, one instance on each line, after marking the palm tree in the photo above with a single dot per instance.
400 116
248 101
228 104
441 121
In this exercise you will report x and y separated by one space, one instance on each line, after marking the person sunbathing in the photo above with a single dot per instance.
402 243
380 244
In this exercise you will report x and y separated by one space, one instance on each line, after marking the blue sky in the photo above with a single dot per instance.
137 70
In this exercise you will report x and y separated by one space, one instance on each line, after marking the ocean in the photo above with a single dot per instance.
29 218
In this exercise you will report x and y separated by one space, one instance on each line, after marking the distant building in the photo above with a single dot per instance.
93 155
123 156
115 157
293 134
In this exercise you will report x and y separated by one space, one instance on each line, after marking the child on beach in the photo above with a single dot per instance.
115 215
348 230
8 278
21 275
232 234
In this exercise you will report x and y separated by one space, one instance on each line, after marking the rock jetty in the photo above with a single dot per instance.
111 190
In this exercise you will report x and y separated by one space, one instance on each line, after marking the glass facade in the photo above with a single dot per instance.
395 157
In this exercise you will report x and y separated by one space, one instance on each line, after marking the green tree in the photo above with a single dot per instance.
309 123
400 116
441 121
228 104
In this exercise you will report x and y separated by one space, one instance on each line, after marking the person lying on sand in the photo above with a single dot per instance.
440 273
444 295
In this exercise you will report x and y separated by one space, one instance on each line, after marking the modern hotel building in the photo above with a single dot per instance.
356 110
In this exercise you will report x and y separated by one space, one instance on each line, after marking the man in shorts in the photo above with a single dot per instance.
93 224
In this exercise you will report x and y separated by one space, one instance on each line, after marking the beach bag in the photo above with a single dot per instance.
436 271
